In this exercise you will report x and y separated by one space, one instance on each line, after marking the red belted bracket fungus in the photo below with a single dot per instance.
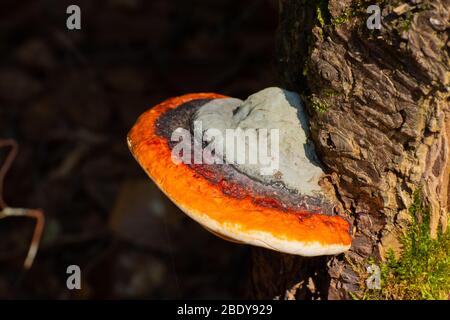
235 189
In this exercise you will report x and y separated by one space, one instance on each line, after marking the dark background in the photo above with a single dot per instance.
69 98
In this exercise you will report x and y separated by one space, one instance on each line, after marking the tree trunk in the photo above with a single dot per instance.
379 116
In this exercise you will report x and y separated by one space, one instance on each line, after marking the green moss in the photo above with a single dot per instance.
320 16
329 92
323 16
317 105
406 21
341 19
422 271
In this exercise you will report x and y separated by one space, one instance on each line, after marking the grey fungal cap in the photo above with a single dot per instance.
273 109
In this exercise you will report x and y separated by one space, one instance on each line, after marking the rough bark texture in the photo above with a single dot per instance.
380 119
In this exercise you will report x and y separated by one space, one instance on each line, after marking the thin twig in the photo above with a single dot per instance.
6 165
36 239
5 211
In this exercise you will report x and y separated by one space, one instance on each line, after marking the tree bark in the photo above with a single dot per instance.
379 116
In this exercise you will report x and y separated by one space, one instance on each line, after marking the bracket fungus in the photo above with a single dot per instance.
209 154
